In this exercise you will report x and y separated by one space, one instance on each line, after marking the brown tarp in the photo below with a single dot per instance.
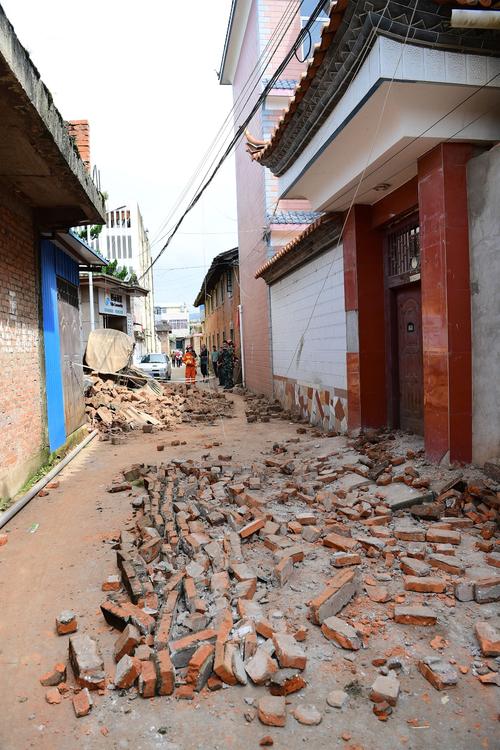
108 351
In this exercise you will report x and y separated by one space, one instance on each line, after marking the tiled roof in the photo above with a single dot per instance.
297 241
287 84
221 262
333 64
292 217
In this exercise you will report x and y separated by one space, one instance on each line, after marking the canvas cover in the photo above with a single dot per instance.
108 350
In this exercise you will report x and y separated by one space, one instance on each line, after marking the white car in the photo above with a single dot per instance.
157 366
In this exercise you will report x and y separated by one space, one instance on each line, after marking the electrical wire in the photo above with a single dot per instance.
253 81
240 130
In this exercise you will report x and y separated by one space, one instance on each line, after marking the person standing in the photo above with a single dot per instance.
214 357
178 358
189 360
204 363
220 363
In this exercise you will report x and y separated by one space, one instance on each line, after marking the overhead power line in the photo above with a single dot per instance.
241 129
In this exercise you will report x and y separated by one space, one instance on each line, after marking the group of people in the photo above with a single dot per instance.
223 362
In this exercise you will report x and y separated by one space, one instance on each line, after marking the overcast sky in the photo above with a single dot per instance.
144 75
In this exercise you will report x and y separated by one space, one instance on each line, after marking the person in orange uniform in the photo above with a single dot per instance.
189 360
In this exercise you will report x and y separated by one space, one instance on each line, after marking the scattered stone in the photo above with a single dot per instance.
286 681
337 698
307 714
53 696
271 711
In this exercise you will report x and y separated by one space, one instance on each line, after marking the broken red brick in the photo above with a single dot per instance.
55 676
488 637
82 703
53 695
165 673
415 615
439 673
126 642
252 528
127 671
271 711
66 622
288 652
147 679
426 585
339 591
200 666
341 632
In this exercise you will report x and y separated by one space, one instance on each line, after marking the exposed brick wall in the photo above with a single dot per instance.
223 318
21 411
80 131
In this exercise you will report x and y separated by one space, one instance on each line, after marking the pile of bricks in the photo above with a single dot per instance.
210 543
114 409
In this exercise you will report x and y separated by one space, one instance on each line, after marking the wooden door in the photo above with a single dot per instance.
71 357
410 366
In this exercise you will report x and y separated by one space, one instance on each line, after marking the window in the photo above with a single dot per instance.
314 35
229 283
113 246
221 287
157 358
129 246
67 291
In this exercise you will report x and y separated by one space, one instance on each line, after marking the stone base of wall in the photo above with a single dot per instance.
326 408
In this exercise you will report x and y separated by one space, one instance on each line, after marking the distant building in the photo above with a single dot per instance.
125 239
219 300
114 302
174 318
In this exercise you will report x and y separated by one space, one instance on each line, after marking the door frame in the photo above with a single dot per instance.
406 276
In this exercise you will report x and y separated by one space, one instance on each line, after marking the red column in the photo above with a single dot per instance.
364 297
446 326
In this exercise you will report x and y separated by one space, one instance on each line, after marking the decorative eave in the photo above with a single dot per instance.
316 239
346 39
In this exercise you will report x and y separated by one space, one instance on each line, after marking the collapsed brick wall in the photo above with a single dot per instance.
21 411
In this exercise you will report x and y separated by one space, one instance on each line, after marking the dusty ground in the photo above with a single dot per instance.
64 562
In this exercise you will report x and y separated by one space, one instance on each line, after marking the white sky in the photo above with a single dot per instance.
143 74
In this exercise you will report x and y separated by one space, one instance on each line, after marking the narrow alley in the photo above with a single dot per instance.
282 547
249 375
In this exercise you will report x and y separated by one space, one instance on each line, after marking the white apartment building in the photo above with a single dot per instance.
177 317
125 240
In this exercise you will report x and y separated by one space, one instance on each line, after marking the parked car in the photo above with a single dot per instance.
157 366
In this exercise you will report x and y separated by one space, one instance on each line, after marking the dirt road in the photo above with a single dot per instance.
57 556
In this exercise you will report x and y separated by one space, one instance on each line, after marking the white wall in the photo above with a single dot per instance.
313 354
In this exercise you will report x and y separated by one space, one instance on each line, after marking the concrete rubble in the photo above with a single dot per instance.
212 592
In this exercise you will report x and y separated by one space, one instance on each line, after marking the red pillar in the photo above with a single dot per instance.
364 302
446 325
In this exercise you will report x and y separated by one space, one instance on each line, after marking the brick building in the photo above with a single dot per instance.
393 136
265 223
219 296
44 190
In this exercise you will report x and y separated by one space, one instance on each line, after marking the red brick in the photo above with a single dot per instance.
147 679
82 703
165 673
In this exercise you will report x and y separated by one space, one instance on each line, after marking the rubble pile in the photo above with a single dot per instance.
234 575
259 408
114 409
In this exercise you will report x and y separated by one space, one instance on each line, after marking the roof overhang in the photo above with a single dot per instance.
316 239
220 263
38 161
354 29
372 140
238 19
77 249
